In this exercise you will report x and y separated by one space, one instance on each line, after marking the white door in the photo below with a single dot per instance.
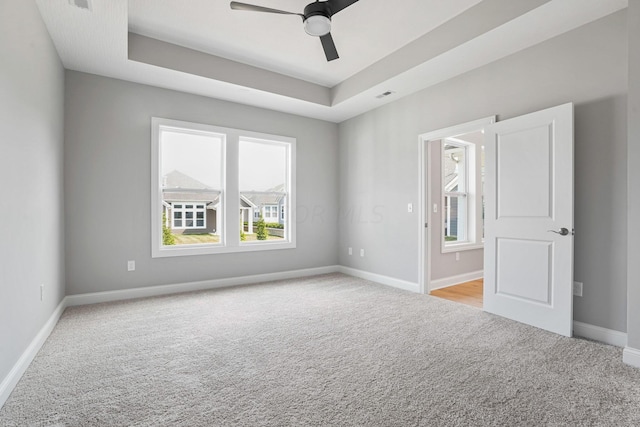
528 266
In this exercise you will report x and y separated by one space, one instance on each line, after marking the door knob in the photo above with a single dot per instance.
563 231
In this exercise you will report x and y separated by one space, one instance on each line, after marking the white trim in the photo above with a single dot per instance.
378 278
455 280
10 381
152 291
631 356
596 333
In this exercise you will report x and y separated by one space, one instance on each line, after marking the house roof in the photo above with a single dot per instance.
179 187
271 196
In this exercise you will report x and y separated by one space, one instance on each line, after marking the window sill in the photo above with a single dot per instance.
193 250
459 247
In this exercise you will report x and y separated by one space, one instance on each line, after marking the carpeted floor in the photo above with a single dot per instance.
330 350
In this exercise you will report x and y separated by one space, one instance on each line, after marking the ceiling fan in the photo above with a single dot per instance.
316 19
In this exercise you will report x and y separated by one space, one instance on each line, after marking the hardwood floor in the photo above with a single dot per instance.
469 293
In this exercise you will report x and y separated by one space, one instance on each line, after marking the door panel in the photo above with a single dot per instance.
529 194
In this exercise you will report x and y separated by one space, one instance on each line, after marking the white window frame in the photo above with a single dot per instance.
230 195
469 194
183 209
270 210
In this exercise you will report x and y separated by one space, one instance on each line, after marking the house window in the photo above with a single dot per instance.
271 212
206 180
265 180
462 194
189 216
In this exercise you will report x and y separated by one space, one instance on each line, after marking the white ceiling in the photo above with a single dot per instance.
364 32
269 61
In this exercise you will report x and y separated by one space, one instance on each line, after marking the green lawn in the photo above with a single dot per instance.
198 239
195 239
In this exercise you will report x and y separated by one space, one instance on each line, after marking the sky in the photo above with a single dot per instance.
262 164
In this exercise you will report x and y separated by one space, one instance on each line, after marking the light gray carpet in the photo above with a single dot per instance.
323 351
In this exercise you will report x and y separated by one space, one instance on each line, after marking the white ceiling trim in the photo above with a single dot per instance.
97 42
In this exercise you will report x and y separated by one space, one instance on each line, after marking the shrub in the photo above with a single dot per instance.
243 237
274 225
167 238
261 226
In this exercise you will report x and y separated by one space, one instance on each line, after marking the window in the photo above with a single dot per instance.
462 200
270 212
189 216
265 181
455 191
207 182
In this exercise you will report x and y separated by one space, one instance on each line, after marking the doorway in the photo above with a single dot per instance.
453 205
528 264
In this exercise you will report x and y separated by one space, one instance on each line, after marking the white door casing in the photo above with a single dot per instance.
528 265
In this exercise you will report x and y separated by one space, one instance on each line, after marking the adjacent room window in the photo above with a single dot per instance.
213 185
455 191
463 202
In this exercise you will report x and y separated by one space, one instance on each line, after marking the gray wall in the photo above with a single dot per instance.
634 175
31 137
108 186
379 157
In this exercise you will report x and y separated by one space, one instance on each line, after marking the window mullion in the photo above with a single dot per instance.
232 190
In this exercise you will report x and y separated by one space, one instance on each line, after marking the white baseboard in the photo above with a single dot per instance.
152 291
455 280
631 356
596 333
10 381
378 278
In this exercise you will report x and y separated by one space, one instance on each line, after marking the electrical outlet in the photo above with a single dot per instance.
42 292
577 289
361 252
350 251
457 256
131 266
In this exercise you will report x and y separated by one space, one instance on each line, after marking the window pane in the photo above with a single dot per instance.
263 182
454 182
454 168
191 168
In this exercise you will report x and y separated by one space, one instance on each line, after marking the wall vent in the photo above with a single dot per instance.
384 94
82 4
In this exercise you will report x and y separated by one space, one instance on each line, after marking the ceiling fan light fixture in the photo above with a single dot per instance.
317 25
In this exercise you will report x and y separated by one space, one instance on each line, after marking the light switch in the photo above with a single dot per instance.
410 207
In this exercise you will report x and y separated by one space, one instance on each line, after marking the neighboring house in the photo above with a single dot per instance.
190 207
270 204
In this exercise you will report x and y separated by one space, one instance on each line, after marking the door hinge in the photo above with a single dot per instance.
426 225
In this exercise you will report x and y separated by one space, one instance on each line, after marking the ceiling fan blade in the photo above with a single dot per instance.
329 47
337 5
236 5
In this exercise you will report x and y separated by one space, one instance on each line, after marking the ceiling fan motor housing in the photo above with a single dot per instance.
317 18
